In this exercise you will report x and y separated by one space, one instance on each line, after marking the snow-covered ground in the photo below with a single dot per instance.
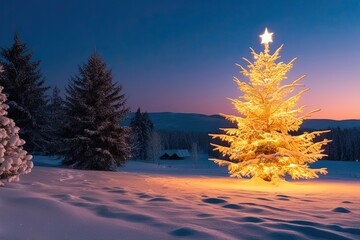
178 199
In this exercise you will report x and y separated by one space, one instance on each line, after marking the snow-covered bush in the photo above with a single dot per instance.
14 160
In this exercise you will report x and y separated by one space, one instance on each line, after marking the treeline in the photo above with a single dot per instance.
345 143
184 140
189 140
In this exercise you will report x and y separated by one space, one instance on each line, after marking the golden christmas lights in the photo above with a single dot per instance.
261 145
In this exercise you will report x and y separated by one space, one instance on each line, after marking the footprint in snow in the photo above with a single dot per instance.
204 215
233 206
250 219
263 199
125 201
120 191
283 196
159 199
341 210
214 200
183 232
143 195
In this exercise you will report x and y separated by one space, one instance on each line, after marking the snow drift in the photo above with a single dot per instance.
178 200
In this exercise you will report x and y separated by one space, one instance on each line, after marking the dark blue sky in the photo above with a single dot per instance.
179 55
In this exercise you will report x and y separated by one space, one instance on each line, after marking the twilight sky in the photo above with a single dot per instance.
179 56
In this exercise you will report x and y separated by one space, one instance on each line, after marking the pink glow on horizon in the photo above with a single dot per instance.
341 107
334 88
336 108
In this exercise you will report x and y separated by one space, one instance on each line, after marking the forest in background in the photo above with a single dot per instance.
345 143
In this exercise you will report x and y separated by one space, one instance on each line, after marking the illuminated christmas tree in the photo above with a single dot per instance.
261 145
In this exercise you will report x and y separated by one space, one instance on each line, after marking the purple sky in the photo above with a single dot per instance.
180 56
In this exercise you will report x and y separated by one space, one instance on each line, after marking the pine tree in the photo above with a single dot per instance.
24 85
55 116
141 129
95 107
261 145
14 161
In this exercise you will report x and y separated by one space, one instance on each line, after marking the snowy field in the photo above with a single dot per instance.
178 200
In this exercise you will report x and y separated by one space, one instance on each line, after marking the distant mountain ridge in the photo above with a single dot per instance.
209 123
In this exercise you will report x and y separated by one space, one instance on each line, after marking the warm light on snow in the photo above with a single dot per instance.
264 144
178 200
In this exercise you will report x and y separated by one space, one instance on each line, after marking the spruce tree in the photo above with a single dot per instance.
141 129
263 144
24 85
95 106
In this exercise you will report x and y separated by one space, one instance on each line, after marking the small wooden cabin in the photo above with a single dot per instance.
174 154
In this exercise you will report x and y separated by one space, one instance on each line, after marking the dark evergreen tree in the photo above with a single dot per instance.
95 107
141 129
24 85
55 114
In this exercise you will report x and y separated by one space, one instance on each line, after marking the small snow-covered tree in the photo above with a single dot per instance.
24 85
14 160
95 107
141 129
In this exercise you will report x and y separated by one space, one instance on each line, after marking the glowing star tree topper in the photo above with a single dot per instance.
261 145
